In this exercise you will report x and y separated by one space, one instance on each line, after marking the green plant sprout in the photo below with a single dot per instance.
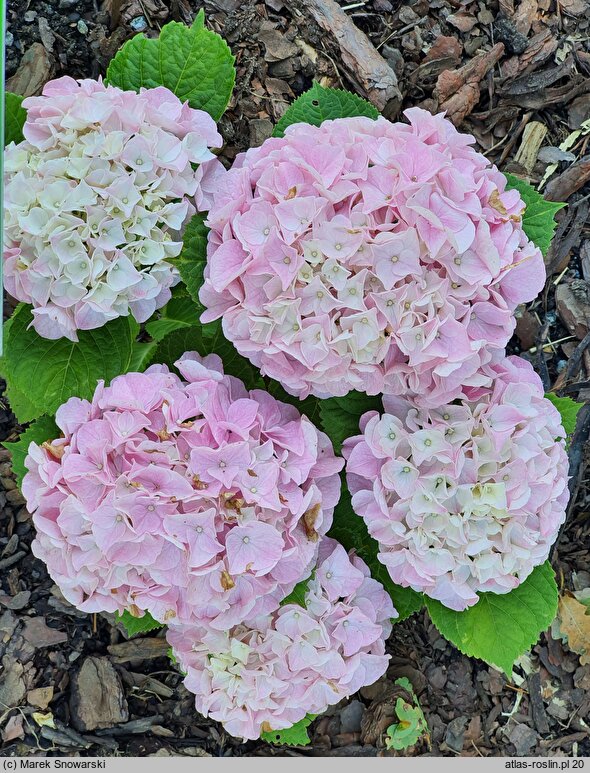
412 723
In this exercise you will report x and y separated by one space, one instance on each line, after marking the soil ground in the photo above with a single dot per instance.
71 684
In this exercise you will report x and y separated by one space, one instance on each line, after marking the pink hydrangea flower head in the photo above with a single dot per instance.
269 672
192 498
464 498
95 198
369 255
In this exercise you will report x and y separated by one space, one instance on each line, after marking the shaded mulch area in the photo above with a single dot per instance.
517 76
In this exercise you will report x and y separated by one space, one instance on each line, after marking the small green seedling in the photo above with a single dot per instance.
412 724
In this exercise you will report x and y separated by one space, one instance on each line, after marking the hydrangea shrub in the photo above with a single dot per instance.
368 255
192 498
347 258
95 198
464 498
267 674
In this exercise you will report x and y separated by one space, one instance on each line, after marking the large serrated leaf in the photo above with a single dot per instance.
320 104
47 372
193 62
179 312
40 431
568 410
538 221
296 735
142 356
193 258
207 339
134 625
351 531
176 343
340 416
310 406
501 627
14 118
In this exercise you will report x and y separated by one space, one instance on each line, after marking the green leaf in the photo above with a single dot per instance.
178 313
351 531
296 735
134 625
412 722
410 728
142 356
297 595
207 339
501 627
48 372
538 220
175 344
568 410
320 104
14 118
340 416
405 600
41 430
20 404
193 258
193 62
310 406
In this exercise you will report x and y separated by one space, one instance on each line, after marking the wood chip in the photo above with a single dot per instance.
462 20
113 8
138 649
39 634
47 36
539 49
444 47
573 7
537 705
40 697
573 310
364 65
532 139
574 623
97 699
525 15
14 729
18 601
35 69
569 181
277 46
458 90
527 329
12 684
